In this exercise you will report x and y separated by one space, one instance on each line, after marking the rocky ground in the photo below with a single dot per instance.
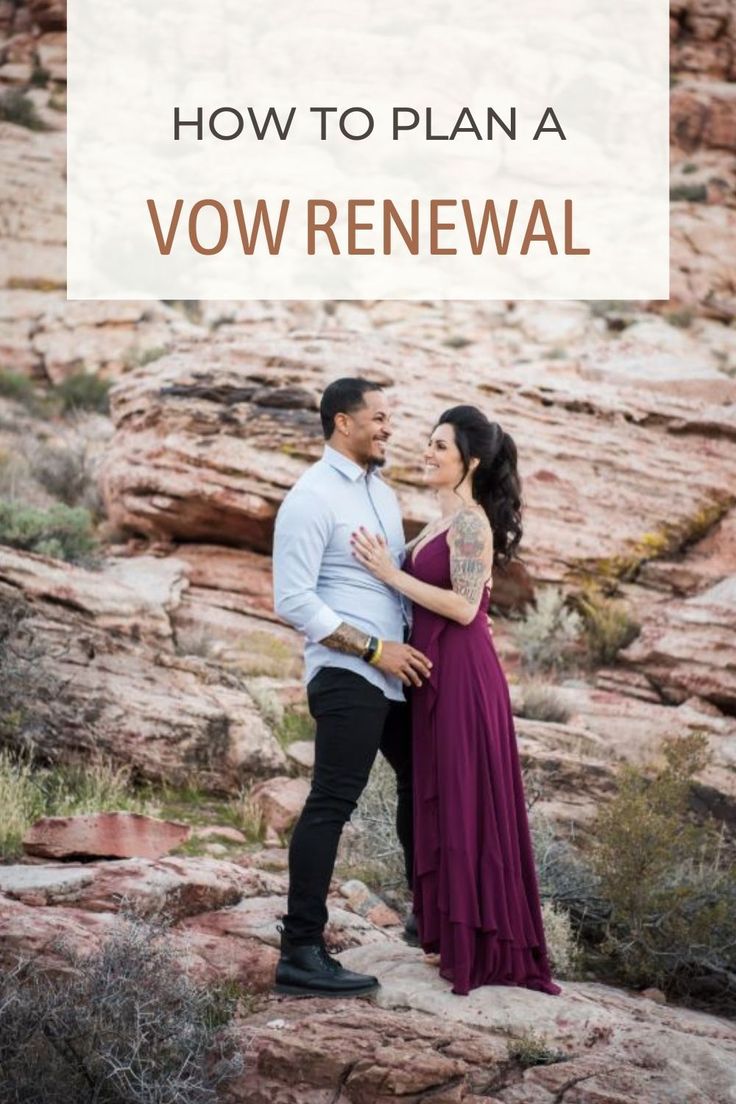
171 658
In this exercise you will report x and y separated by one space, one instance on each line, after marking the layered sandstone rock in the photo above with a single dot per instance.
106 639
188 462
688 650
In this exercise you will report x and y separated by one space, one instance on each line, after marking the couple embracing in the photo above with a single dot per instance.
385 622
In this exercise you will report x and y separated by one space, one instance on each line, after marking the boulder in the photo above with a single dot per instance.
104 835
689 649
280 800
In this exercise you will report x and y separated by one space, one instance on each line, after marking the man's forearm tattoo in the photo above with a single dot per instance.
346 638
469 555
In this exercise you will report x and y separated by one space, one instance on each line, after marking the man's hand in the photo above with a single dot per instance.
411 665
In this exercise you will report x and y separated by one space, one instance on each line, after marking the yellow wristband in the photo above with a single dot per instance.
377 654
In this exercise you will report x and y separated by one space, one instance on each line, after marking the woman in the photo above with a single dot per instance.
476 897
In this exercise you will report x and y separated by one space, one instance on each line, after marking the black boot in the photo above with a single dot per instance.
311 971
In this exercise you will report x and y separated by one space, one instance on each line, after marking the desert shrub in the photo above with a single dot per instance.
29 790
541 702
531 1049
141 357
670 885
122 1025
60 531
567 882
370 849
16 107
84 391
67 472
681 318
690 193
16 386
549 636
563 944
40 76
15 475
607 625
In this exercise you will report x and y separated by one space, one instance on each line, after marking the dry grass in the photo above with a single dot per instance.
541 702
29 791
607 623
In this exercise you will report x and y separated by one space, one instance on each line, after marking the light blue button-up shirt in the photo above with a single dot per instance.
318 583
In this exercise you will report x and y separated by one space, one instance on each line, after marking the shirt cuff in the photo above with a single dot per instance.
324 622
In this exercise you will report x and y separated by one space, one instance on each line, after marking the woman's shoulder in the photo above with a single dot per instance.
470 524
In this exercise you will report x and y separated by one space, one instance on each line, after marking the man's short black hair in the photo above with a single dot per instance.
343 396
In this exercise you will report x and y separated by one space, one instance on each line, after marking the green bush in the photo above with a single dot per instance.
16 386
84 391
122 1025
671 887
62 532
16 107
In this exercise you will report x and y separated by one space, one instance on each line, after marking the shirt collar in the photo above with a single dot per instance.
344 464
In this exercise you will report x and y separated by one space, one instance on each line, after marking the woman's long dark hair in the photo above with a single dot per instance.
496 485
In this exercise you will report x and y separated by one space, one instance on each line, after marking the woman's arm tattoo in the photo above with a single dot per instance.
470 555
346 638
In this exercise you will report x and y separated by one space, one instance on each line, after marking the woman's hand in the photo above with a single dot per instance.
373 553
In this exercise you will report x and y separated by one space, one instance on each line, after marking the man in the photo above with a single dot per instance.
356 664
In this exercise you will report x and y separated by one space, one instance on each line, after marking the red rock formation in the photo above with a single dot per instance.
104 835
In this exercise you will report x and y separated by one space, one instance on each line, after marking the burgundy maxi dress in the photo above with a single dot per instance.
476 896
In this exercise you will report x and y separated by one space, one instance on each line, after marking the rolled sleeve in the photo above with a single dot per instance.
303 528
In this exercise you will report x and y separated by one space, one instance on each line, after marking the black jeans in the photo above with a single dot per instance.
354 720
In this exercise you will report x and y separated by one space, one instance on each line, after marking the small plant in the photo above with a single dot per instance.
62 532
531 1049
294 725
67 472
549 636
122 1025
457 341
142 357
84 391
16 107
541 702
562 944
680 318
14 385
247 815
690 193
608 625
39 75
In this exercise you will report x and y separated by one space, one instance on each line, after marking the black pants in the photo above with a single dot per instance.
354 720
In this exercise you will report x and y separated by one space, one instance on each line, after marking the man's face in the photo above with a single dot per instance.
368 429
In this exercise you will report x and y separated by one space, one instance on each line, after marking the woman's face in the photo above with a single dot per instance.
443 465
